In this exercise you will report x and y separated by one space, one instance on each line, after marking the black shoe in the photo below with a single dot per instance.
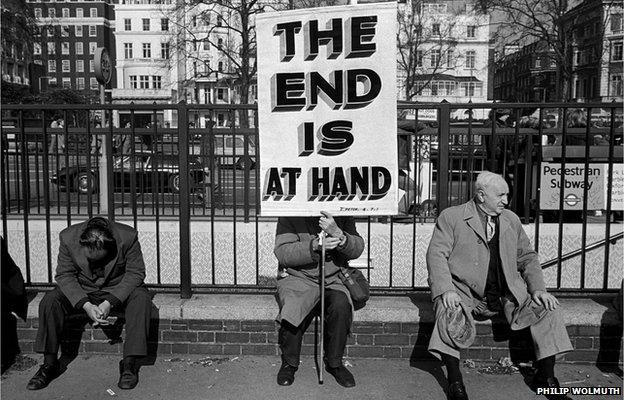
286 375
550 383
343 376
457 391
128 375
43 377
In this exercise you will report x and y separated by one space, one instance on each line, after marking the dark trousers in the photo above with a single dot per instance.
55 307
338 317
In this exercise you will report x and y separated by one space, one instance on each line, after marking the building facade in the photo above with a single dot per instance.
70 32
452 57
597 50
525 74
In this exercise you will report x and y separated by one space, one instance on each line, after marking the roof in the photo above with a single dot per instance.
445 77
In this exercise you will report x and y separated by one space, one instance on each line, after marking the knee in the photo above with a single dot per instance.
51 300
140 295
339 305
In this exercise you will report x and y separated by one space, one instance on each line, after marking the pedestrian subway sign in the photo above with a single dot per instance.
572 176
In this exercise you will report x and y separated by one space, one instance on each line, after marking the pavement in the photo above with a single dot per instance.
200 377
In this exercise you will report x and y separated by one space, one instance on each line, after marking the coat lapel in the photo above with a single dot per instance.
111 264
83 263
471 216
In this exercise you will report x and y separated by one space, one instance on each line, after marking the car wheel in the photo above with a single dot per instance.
174 183
85 182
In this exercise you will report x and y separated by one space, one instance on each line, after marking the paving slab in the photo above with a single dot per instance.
200 377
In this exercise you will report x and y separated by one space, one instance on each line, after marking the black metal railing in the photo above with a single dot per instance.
198 164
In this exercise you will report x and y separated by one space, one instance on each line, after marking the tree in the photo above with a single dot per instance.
426 45
526 21
18 29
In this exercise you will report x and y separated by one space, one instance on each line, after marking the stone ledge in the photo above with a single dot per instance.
415 308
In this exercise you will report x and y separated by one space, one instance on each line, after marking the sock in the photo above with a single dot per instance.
546 367
452 368
50 358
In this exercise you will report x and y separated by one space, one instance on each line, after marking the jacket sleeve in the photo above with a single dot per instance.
354 246
135 271
438 253
290 251
67 277
528 262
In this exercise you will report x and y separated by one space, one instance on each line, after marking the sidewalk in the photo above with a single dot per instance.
197 377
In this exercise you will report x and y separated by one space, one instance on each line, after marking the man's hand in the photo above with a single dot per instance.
94 313
547 300
330 243
451 299
105 308
327 223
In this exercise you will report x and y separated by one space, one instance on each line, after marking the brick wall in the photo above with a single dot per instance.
368 339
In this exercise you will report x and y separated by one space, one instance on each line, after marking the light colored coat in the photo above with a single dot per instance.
298 292
458 259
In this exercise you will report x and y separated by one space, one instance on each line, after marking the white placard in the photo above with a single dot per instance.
327 111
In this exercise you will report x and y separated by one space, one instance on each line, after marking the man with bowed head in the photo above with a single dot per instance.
481 264
100 269
298 252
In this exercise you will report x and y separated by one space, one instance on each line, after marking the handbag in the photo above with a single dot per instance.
356 284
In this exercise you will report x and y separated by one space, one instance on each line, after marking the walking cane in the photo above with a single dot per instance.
322 317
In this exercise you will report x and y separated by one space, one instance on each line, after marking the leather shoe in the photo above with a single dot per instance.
286 375
343 376
128 375
551 383
457 391
43 377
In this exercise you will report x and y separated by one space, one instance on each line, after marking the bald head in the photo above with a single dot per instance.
491 192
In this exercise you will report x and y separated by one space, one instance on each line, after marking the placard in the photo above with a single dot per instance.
327 111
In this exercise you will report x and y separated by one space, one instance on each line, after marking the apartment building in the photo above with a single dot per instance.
597 50
525 74
452 57
70 31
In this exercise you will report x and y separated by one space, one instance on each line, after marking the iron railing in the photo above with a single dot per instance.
202 170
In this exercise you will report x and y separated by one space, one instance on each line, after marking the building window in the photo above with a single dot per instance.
133 82
616 85
51 48
66 67
222 94
52 82
79 48
156 82
220 66
51 13
470 59
65 12
146 24
38 13
435 57
471 31
220 43
36 49
93 83
79 65
206 44
164 51
51 65
80 83
147 50
91 66
220 119
50 31
79 13
616 22
450 61
92 47
435 29
65 48
538 62
65 30
128 50
419 58
92 30
127 24
93 12
78 30
616 54
577 57
219 20
164 24
66 83
144 82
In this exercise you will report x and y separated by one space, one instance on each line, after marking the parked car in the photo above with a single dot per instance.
150 172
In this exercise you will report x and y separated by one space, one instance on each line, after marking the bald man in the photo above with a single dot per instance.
480 258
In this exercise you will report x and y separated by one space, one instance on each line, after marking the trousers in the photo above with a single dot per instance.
338 317
55 307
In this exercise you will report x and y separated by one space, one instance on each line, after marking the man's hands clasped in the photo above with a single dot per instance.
98 314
